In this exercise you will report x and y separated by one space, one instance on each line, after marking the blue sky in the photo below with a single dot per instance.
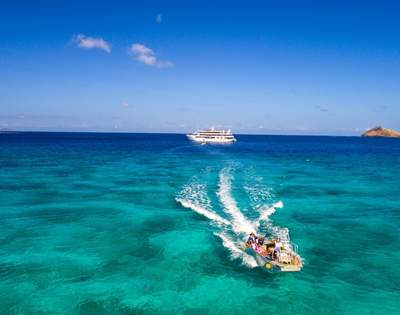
298 67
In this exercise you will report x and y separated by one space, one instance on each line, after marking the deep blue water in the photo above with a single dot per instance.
97 223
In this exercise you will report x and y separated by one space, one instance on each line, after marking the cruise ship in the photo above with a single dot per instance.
212 136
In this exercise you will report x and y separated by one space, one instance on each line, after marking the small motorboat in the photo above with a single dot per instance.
274 254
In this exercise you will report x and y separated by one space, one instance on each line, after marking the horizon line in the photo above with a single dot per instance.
175 133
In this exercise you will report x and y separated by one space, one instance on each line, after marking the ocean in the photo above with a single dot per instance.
97 223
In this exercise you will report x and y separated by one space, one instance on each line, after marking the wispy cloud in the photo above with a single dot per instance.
380 109
125 104
159 17
147 56
321 108
87 42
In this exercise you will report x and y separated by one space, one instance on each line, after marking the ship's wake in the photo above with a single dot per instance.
231 224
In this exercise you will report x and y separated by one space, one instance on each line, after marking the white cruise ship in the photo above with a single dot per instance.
212 136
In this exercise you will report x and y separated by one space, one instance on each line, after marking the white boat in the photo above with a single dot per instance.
276 254
212 136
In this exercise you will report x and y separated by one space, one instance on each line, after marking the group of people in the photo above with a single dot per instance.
271 250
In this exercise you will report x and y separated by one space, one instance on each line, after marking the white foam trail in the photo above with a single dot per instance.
267 212
203 211
278 204
240 224
236 252
258 193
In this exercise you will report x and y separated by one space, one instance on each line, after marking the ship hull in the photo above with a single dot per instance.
273 265
210 140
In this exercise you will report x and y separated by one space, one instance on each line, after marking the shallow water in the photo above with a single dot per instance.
137 224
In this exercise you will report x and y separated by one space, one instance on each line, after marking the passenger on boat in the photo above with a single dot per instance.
254 246
277 251
263 250
253 237
252 242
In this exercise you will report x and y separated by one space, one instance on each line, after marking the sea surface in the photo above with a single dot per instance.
94 223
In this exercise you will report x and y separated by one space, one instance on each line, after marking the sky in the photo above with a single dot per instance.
258 67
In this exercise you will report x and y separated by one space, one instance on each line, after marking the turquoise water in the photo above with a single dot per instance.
147 224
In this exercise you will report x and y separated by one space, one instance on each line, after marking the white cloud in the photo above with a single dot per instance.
147 56
159 18
144 54
87 42
125 104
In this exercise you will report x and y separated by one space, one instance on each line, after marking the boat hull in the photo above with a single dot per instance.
210 140
272 265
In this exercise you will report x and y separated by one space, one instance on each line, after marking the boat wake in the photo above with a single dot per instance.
240 223
236 251
231 224
194 197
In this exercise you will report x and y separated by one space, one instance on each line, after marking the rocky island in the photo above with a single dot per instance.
381 132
